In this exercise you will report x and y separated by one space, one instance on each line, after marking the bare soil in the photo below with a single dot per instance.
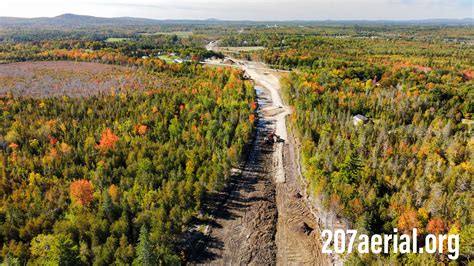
298 232
264 217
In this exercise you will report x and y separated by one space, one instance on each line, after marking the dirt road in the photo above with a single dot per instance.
297 237
263 218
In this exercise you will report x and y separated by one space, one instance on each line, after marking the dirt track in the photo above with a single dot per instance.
264 218
245 216
297 237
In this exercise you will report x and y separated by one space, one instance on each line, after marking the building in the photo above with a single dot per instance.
228 61
359 119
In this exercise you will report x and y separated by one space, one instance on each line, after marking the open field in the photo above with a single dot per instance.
241 49
181 34
42 79
117 39
168 59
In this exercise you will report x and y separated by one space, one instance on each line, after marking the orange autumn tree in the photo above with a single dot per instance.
81 192
114 192
140 129
107 141
408 220
253 105
251 118
435 226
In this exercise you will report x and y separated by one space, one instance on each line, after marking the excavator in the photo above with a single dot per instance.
272 138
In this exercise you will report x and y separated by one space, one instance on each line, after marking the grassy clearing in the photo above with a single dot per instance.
168 59
242 49
182 34
117 39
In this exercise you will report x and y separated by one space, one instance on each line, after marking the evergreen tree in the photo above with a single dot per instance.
145 254
351 168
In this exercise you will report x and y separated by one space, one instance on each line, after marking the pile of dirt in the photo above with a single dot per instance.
303 228
228 62
297 195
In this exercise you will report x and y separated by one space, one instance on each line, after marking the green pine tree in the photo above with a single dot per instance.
145 254
351 168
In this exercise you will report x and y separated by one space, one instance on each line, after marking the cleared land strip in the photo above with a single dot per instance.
297 237
267 220
245 218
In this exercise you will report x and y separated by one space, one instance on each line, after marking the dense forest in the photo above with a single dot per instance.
116 177
130 52
411 163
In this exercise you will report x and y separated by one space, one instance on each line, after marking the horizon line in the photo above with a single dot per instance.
251 20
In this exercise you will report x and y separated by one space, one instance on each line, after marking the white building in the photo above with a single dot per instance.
359 119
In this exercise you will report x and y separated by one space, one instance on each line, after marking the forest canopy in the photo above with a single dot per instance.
117 174
409 163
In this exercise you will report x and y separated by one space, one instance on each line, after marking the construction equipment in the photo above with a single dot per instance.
272 138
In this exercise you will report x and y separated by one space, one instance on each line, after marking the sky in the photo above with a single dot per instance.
245 9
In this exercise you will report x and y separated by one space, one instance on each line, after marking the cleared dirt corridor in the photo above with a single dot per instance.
263 218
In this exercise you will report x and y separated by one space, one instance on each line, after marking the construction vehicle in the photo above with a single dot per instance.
271 138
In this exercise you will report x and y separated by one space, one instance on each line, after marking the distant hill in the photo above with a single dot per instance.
72 20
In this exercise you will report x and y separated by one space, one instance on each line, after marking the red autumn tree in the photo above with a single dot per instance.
435 226
253 105
52 140
108 140
195 58
81 191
